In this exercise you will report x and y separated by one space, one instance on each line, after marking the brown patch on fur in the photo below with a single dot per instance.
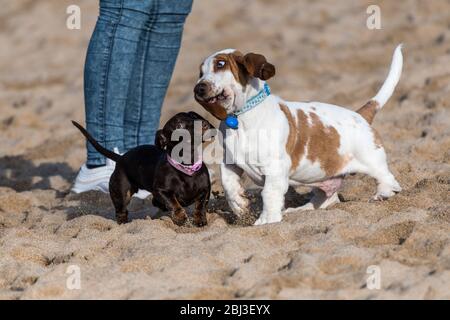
369 110
292 137
302 136
232 65
298 137
377 139
323 146
323 142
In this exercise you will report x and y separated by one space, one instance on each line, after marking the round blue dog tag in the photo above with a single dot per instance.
232 122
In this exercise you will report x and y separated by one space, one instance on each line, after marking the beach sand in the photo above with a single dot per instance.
323 51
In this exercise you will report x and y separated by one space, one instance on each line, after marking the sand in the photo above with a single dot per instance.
322 51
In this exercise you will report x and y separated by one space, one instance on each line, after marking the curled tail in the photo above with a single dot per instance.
369 110
107 153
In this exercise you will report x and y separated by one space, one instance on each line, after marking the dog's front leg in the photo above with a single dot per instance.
234 192
200 211
170 201
275 187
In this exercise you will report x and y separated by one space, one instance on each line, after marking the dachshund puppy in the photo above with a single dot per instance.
175 180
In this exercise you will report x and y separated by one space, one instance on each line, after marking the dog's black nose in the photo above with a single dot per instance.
201 89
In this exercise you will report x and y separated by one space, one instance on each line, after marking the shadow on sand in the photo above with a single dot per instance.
21 174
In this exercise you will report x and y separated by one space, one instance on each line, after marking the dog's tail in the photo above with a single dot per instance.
369 110
107 153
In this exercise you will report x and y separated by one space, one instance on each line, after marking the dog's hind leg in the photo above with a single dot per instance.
387 185
121 192
375 165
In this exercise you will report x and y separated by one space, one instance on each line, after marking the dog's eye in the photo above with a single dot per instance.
220 64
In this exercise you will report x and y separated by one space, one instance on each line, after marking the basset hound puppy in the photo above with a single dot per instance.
279 143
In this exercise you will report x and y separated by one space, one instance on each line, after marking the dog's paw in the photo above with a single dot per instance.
122 218
240 206
179 221
179 217
382 196
266 219
200 221
386 191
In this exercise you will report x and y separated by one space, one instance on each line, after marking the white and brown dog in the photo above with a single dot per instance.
315 144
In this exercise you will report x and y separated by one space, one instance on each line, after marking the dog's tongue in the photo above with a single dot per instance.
212 100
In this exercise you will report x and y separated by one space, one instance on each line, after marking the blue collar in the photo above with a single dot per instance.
232 121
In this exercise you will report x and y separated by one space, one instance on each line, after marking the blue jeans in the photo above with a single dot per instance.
128 67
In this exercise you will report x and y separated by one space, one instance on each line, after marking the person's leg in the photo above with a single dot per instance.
111 56
153 70
109 65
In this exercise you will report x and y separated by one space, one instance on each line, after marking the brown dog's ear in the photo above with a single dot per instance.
256 65
161 140
196 116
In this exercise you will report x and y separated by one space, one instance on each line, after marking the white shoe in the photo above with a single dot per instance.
96 179
141 194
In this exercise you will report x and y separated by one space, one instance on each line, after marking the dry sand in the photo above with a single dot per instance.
323 52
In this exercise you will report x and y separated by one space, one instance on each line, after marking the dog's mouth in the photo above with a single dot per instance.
216 105
211 100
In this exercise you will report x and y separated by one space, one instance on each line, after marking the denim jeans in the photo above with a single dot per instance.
128 68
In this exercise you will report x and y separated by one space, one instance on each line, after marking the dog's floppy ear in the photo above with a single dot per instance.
256 65
161 140
196 116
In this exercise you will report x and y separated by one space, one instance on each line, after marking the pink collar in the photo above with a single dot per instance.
189 170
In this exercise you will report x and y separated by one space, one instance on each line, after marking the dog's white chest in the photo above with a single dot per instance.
243 150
